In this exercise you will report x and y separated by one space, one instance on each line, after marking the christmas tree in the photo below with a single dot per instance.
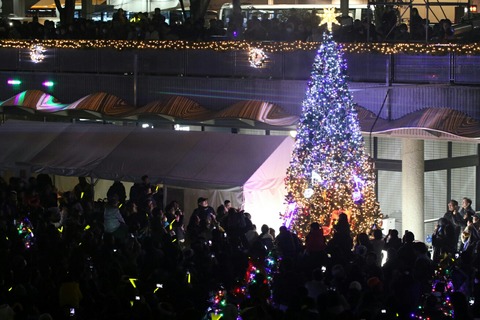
330 172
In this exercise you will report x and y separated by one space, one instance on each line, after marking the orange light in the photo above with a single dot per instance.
473 8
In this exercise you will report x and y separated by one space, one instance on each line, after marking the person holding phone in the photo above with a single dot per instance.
456 219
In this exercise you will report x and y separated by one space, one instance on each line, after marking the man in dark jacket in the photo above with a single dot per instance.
455 218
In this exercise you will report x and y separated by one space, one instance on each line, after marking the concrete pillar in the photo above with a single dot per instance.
413 188
19 8
87 9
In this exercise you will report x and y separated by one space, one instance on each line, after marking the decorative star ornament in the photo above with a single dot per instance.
329 17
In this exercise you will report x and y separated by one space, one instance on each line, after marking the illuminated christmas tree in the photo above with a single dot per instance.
330 171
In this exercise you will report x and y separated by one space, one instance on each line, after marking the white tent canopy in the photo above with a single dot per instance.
202 162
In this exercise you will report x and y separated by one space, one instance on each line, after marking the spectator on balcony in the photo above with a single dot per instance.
158 19
389 22
166 33
417 28
35 29
215 29
254 31
151 33
443 31
401 33
316 35
274 31
136 32
288 31
428 30
119 25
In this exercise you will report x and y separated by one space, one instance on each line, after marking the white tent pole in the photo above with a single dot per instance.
164 196
93 182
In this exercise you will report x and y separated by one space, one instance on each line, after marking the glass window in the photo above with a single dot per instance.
390 195
463 184
389 148
435 196
435 149
460 149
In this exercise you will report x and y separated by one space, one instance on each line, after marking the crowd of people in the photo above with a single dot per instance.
126 257
297 26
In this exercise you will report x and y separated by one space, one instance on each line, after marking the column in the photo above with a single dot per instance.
19 8
413 188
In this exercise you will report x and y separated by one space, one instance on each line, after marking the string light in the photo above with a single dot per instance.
37 53
256 57
330 172
25 232
267 47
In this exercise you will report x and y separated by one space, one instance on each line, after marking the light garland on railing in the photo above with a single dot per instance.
256 57
268 47
37 53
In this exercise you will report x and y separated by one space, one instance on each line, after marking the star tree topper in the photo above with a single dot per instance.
329 17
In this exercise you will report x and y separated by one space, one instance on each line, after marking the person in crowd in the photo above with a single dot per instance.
78 268
471 233
287 243
401 34
466 210
389 21
406 252
119 189
378 245
315 240
272 232
444 31
316 285
178 228
341 245
362 239
265 238
251 235
417 26
443 240
170 210
455 217
236 224
205 214
315 245
113 221
392 240
84 193
222 210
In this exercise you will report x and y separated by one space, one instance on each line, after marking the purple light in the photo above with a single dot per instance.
48 84
14 82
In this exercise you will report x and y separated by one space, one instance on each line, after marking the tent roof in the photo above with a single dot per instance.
19 142
203 160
